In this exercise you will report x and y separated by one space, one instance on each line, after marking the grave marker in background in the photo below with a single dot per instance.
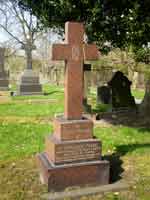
73 156
103 95
29 83
121 92
4 82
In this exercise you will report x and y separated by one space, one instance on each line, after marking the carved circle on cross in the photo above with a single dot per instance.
75 52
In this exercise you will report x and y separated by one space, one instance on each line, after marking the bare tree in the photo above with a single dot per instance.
21 26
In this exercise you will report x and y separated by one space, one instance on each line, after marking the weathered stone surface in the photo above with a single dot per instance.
29 84
73 129
74 52
89 191
72 151
73 91
72 156
121 92
103 95
81 173
4 80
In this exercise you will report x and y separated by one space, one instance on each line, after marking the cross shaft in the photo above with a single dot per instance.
74 52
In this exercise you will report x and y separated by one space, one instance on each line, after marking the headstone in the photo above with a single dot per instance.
121 92
103 95
4 82
73 156
29 83
87 79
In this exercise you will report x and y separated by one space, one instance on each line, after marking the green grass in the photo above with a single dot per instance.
28 106
49 91
124 139
101 108
24 123
20 140
31 109
139 94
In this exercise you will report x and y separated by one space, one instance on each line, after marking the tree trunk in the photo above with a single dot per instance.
28 52
145 105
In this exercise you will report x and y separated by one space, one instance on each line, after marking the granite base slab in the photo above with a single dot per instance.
58 177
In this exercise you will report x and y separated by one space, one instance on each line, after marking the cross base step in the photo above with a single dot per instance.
72 151
80 129
58 177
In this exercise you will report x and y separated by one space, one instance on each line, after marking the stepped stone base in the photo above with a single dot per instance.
72 156
73 129
72 151
29 84
58 177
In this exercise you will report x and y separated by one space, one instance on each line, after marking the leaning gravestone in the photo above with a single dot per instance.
4 82
103 95
73 156
29 82
121 92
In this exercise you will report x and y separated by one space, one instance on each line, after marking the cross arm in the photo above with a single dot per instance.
90 52
60 52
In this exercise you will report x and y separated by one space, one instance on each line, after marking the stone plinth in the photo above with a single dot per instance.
73 129
58 177
72 156
29 84
72 151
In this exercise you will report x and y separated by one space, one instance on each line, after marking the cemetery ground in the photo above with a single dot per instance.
26 120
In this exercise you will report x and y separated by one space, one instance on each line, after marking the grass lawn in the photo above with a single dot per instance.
24 123
139 94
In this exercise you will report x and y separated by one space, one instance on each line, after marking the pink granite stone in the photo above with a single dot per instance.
72 155
74 52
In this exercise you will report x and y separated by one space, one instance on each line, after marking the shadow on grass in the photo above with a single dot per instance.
144 130
116 169
53 92
130 119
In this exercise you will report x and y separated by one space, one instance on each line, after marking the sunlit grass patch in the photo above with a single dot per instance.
21 140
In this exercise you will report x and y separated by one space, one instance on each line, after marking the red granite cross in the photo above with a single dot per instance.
74 52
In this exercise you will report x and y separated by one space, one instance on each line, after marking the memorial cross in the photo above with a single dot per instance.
74 52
